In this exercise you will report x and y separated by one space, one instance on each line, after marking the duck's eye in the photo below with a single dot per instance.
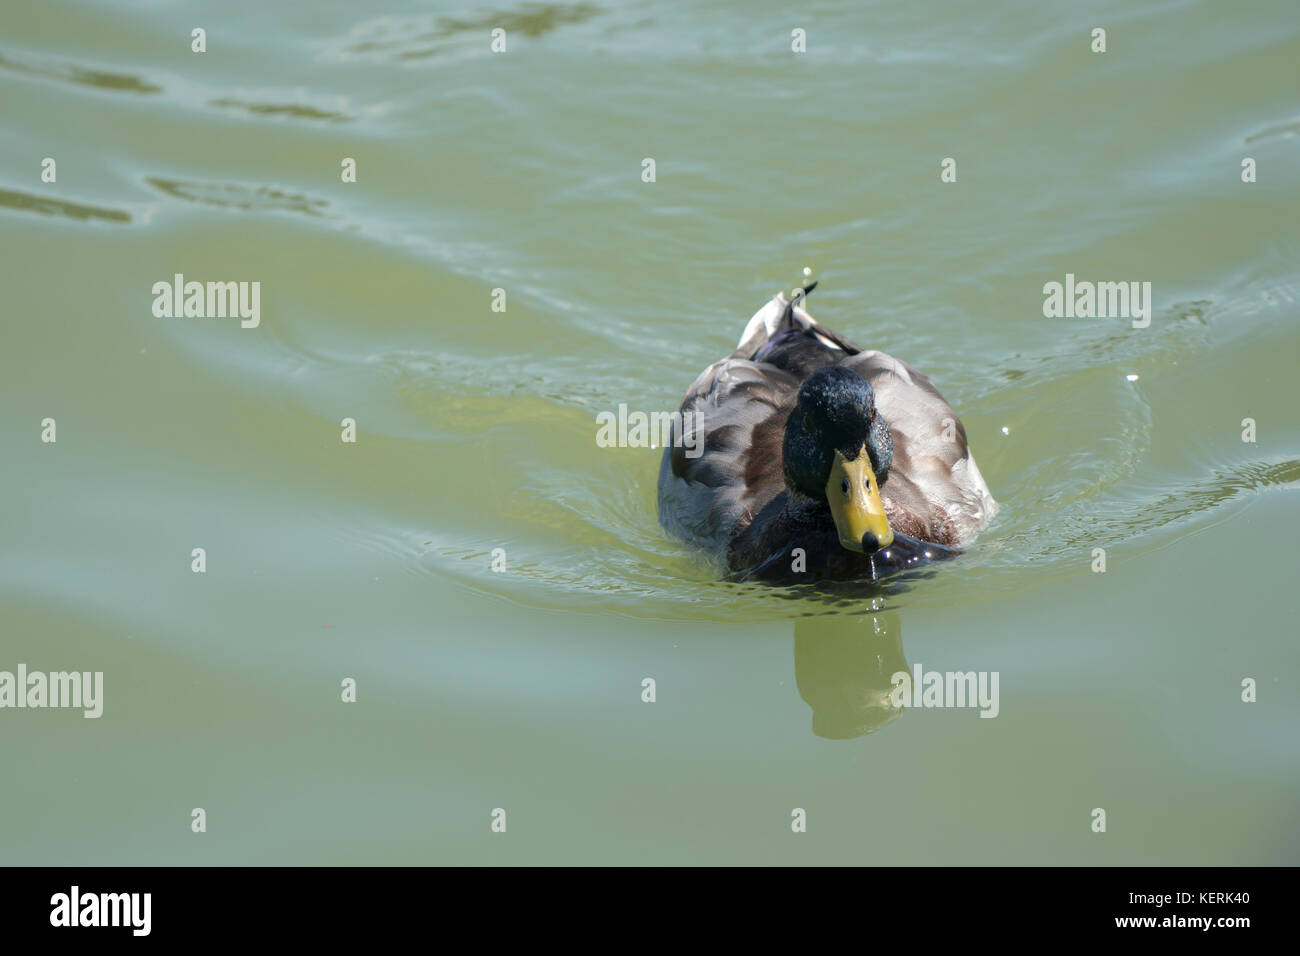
807 424
844 487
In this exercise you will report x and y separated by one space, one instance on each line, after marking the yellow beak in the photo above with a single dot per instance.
855 503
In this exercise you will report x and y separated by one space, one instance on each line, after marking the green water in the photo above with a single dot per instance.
522 689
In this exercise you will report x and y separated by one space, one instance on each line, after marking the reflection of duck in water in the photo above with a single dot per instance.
843 665
819 460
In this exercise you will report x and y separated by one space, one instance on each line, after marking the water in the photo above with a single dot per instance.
476 430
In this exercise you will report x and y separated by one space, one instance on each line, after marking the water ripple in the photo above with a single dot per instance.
71 73
46 206
401 39
234 196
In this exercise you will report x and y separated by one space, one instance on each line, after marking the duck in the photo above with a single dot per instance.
802 457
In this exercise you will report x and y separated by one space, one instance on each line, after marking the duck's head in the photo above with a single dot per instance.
837 450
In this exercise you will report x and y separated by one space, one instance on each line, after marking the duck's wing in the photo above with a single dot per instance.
724 464
934 490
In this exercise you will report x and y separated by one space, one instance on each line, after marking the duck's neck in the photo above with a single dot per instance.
804 509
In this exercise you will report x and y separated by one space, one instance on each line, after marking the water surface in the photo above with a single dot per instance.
476 430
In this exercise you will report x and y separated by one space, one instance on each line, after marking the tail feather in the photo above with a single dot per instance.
778 314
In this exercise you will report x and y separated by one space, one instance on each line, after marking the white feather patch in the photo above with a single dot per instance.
765 318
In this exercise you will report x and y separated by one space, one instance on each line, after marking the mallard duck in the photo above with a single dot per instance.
801 456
